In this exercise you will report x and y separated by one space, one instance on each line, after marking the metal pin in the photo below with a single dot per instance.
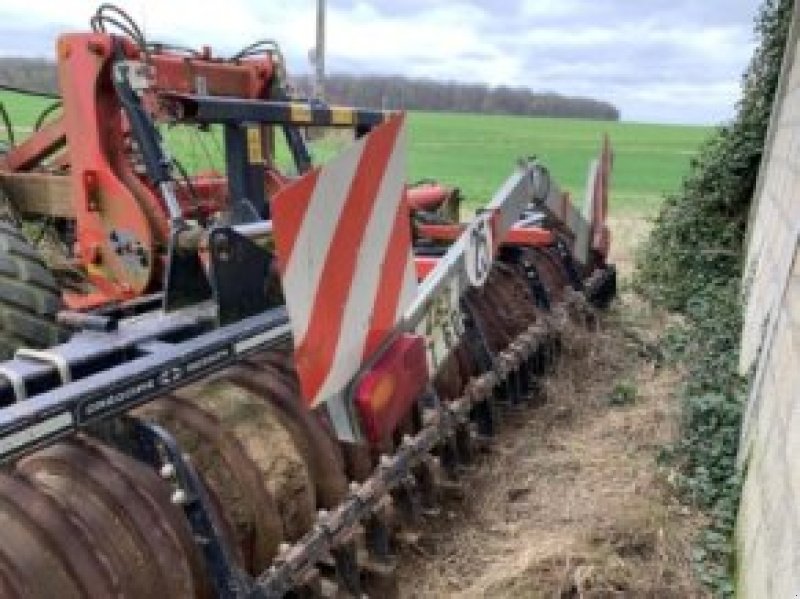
167 471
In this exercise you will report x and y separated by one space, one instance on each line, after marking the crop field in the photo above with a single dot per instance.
476 152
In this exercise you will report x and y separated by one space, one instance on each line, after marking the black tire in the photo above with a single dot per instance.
29 296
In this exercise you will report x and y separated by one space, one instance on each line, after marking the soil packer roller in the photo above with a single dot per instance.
247 384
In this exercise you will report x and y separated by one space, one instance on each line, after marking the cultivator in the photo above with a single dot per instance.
254 383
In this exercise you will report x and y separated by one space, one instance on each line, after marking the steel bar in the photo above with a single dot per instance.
234 111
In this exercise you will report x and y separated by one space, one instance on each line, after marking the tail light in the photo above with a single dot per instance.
388 390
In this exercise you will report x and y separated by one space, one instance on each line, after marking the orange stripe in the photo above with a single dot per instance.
529 236
441 232
315 353
288 209
393 276
424 265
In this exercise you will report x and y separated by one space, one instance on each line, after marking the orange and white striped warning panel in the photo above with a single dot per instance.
343 241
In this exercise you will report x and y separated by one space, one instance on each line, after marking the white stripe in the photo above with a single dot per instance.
409 289
36 432
367 276
310 251
259 339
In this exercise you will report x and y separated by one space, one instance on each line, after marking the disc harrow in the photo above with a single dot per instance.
84 519
268 383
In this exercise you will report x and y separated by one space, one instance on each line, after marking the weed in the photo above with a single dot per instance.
623 394
692 264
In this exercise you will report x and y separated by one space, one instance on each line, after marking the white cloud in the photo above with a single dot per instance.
641 55
445 44
228 25
533 9
362 32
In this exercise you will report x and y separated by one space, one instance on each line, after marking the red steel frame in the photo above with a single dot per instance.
88 145
107 196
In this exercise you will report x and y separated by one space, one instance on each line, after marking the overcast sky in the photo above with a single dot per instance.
657 60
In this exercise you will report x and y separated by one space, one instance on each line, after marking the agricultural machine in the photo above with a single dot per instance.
245 382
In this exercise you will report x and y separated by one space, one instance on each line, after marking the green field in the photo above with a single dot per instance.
476 152
479 151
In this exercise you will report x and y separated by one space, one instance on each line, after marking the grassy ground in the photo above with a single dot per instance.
23 111
570 500
476 152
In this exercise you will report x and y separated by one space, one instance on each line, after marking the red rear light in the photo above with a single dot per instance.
389 389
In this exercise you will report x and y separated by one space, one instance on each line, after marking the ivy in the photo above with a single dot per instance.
692 264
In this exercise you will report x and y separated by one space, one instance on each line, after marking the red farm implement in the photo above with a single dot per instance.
241 382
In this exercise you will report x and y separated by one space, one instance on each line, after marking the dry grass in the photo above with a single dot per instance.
628 230
570 501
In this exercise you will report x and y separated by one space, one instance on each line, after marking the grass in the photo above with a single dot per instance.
476 152
22 110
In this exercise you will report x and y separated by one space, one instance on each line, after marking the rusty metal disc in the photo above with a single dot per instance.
233 480
551 271
82 520
319 448
252 454
124 509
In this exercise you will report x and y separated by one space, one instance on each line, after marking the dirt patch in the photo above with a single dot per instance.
569 501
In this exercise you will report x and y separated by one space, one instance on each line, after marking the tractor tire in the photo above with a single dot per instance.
29 296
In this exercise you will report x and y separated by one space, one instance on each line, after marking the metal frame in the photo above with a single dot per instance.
234 111
130 362
155 446
155 365
92 180
120 364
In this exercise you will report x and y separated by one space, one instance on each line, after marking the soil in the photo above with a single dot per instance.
570 500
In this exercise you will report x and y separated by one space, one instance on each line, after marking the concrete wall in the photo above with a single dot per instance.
768 531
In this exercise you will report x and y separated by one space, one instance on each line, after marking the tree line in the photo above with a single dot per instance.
380 91
34 74
396 92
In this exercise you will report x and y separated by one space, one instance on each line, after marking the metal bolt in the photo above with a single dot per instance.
179 497
322 514
354 486
385 461
167 471
283 548
407 440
